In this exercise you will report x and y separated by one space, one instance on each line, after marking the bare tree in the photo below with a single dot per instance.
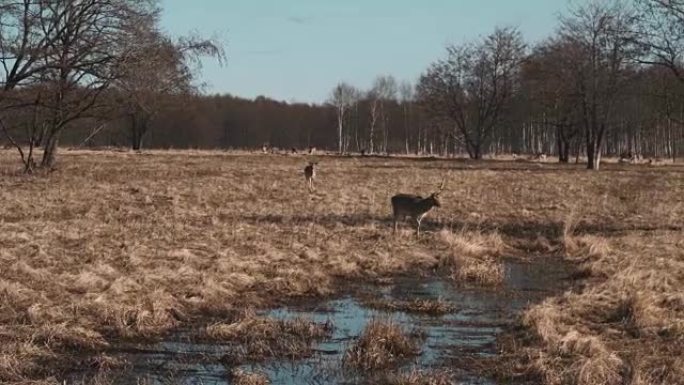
661 33
160 75
551 99
406 98
599 47
384 89
22 47
343 97
474 85
374 110
69 52
26 117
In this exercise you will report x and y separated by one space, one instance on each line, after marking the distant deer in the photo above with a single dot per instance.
310 174
414 206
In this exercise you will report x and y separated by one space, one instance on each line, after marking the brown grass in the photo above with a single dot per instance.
627 325
241 377
422 306
381 345
123 245
260 338
474 257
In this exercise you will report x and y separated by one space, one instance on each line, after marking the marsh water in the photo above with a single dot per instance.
471 330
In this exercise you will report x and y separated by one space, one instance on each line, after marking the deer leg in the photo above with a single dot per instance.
418 226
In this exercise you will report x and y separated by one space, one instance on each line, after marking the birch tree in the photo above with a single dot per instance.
342 97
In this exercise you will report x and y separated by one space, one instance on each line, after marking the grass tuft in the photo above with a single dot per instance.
381 345
474 257
422 306
260 338
241 377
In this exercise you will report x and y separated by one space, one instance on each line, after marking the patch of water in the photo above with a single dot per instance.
472 329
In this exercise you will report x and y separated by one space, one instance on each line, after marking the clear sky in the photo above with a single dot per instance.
297 50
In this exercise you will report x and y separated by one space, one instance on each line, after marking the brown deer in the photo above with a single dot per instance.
310 174
414 206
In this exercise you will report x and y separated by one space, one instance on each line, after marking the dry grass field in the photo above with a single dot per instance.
118 245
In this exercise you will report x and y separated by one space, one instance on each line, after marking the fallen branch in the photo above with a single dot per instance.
95 132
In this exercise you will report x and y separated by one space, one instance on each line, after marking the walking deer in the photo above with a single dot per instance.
414 206
310 174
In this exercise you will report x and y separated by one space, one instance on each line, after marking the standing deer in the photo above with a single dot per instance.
414 206
310 174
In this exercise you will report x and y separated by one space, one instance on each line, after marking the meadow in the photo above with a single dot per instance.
116 246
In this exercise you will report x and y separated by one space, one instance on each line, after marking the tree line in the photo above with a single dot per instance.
609 81
101 73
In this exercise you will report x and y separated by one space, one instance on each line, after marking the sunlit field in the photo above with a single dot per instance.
121 246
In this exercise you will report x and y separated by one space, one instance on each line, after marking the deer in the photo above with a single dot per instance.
414 206
310 174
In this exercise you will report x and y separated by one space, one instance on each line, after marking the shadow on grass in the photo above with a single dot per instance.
516 228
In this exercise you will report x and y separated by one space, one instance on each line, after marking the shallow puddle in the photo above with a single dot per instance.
471 329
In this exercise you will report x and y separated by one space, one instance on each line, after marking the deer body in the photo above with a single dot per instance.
414 206
310 174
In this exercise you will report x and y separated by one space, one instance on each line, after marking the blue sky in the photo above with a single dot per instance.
297 50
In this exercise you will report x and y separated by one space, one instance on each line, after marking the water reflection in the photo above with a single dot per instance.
472 328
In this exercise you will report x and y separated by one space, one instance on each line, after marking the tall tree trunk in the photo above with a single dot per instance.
384 129
137 140
50 149
373 122
590 157
406 130
419 142
340 125
139 126
563 143
357 127
594 154
371 136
